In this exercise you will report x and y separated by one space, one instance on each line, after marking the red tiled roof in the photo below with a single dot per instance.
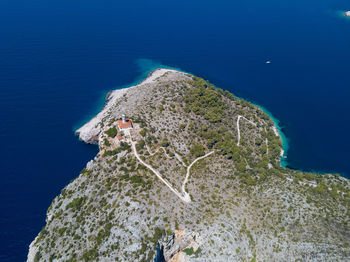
124 125
119 136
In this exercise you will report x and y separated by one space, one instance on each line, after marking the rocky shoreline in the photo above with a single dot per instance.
89 131
244 206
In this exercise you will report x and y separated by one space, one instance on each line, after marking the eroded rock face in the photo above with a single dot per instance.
172 247
244 205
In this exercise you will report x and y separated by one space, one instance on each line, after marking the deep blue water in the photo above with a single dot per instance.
59 58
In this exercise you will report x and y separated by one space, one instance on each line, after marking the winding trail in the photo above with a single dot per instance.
188 172
238 130
184 196
169 157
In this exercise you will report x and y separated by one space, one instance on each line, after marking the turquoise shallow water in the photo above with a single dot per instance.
284 139
146 66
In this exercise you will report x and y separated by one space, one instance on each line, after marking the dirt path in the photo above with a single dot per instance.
176 155
238 130
186 198
188 172
185 195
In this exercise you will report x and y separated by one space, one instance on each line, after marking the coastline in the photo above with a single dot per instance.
92 128
279 132
32 249
146 68
342 14
89 131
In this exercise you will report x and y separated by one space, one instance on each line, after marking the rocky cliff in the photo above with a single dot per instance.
198 176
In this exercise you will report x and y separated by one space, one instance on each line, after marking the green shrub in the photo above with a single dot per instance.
143 132
197 150
124 146
76 203
90 255
112 132
86 172
112 152
106 142
165 143
189 251
37 257
140 145
205 100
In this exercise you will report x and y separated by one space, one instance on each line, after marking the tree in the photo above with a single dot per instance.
197 150
140 145
112 132
143 132
165 143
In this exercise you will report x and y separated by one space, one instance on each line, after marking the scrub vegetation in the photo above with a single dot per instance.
244 205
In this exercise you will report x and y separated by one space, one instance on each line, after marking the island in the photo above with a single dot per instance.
189 172
347 14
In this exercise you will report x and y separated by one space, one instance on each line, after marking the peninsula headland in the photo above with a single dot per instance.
189 172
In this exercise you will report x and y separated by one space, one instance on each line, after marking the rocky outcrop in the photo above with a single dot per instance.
244 206
90 131
171 247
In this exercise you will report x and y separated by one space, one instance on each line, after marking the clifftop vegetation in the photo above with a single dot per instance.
244 206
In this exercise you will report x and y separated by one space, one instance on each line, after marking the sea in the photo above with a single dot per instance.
58 60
